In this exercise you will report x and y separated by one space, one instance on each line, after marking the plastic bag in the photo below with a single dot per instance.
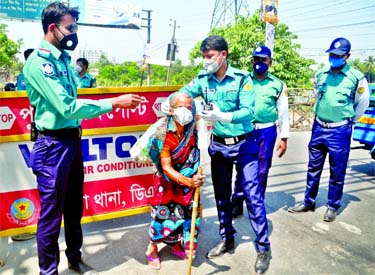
140 151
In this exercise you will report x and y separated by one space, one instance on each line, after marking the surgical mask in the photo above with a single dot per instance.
260 67
78 68
69 42
336 62
211 66
183 115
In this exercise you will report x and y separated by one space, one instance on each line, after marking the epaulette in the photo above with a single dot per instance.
357 74
240 72
43 52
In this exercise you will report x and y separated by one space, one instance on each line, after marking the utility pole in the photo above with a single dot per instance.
148 26
172 51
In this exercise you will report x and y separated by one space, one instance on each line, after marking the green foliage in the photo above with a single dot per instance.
8 48
367 67
130 74
9 65
248 33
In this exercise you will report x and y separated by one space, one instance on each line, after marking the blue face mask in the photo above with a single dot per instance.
336 62
260 67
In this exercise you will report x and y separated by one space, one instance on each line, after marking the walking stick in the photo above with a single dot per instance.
193 219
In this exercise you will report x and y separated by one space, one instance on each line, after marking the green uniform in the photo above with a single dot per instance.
234 93
336 94
52 90
267 92
21 86
86 81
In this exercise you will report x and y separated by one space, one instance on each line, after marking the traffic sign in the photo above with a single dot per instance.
7 118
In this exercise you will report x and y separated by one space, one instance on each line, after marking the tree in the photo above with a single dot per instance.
249 32
369 68
8 50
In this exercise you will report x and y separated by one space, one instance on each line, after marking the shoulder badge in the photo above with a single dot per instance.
247 87
48 69
361 90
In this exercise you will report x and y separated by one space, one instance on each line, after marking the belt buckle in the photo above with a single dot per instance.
230 141
79 132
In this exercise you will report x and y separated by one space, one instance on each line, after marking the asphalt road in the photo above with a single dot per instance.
301 243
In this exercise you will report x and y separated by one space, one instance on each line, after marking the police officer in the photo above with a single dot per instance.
56 157
84 79
342 97
21 86
229 91
271 105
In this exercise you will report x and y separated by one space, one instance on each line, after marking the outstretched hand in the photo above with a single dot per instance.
127 101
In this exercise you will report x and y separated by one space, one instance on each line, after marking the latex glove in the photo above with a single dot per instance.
216 115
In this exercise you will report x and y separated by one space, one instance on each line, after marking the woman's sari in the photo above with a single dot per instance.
172 204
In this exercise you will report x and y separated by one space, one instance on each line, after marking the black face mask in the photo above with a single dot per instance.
69 42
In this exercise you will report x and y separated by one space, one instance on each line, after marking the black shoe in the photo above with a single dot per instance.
301 208
263 262
82 268
330 215
220 248
237 208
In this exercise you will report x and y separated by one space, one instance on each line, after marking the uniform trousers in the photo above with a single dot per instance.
244 155
58 167
266 139
336 143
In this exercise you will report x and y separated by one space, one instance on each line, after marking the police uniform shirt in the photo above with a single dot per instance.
21 86
86 81
340 96
271 102
52 90
234 93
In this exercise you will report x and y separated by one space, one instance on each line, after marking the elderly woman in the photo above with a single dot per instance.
177 160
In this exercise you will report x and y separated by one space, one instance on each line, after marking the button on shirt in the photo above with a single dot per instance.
234 93
340 96
52 90
271 102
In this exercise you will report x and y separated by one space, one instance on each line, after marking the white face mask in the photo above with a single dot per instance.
78 69
212 66
183 115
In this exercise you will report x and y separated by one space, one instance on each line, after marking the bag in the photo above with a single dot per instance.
140 151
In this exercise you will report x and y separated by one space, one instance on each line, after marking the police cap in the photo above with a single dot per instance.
262 51
339 46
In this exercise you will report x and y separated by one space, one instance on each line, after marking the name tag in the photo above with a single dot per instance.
210 91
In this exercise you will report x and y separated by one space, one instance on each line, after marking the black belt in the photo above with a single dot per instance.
230 140
67 133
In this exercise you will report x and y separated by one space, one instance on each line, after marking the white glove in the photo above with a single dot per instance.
216 115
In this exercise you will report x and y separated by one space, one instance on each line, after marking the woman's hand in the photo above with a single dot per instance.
196 181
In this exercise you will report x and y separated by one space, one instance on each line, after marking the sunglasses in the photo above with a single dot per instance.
70 28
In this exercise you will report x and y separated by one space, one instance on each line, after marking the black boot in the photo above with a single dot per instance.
262 262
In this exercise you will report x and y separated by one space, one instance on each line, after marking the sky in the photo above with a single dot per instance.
316 22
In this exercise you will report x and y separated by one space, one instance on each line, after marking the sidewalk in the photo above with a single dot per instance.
301 243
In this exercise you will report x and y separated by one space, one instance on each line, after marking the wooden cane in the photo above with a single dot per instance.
193 219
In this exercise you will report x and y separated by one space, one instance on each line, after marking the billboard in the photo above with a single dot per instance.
109 13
